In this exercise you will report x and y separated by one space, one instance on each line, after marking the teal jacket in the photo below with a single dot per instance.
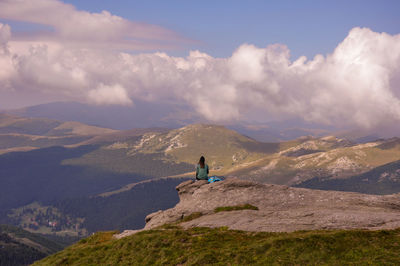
202 173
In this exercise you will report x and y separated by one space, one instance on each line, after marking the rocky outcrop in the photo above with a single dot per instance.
280 208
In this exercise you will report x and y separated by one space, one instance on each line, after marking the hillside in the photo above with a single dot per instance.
80 216
19 247
231 154
61 184
381 180
24 134
43 147
224 149
205 246
67 180
72 194
123 209
10 124
203 229
227 152
322 158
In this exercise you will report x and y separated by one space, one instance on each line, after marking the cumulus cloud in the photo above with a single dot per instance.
80 28
5 34
6 66
358 84
104 94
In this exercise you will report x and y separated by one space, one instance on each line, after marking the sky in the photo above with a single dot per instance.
328 62
219 27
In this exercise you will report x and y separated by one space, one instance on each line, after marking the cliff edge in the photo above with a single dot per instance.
280 208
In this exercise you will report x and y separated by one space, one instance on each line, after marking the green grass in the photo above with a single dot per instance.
236 208
172 245
192 216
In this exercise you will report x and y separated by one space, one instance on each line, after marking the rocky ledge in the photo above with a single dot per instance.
280 208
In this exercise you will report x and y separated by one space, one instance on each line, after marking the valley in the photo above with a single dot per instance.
67 179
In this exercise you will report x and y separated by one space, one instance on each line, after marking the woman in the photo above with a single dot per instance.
202 170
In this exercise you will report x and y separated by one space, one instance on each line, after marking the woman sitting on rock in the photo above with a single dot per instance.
202 169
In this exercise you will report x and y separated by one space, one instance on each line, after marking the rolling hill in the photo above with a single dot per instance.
24 134
382 180
322 158
71 178
224 149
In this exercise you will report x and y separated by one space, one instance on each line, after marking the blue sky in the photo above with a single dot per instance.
307 27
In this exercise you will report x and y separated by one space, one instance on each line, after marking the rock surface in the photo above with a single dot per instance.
281 208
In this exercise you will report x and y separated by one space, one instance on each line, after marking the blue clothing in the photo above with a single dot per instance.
214 178
202 173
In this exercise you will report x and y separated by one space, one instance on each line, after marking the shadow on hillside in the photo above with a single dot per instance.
39 175
381 180
125 210
389 144
260 147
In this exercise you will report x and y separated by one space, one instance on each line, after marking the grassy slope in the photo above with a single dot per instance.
32 126
198 246
47 127
327 161
19 247
20 133
224 149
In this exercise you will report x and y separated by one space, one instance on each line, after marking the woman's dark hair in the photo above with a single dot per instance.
201 161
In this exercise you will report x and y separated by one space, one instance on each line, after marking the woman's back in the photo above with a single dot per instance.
202 173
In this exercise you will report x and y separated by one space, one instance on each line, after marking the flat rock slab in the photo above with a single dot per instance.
281 208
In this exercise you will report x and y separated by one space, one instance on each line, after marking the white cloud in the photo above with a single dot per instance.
6 65
77 28
358 84
5 34
114 94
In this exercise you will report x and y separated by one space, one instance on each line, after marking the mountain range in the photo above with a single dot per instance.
166 115
68 163
69 179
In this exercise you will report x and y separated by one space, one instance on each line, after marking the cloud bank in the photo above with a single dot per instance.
358 84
